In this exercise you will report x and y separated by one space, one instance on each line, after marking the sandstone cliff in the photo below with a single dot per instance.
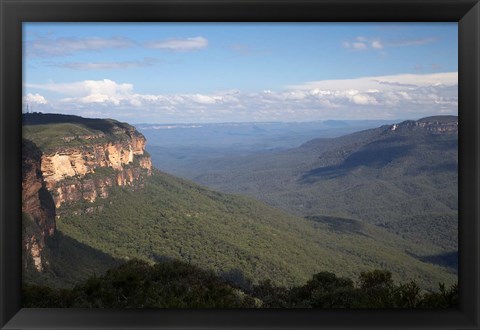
433 125
77 173
82 157
37 206
69 159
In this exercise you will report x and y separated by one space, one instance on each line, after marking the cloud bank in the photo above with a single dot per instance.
36 99
380 97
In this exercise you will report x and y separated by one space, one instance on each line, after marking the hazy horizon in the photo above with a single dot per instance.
393 120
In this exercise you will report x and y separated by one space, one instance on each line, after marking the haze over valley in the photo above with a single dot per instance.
393 176
175 148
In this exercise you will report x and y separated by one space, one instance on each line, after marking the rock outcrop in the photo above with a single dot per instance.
82 166
37 207
86 172
434 125
62 169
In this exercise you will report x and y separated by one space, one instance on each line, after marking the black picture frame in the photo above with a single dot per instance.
14 12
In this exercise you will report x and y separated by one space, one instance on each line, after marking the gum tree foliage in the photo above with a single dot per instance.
175 284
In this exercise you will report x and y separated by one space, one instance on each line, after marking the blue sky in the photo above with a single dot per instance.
217 72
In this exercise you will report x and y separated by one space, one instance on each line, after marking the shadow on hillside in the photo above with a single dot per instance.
447 260
373 156
438 168
340 225
71 262
450 144
237 278
161 258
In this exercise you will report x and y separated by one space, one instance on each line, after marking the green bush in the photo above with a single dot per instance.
175 284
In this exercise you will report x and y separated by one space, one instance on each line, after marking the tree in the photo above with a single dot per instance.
376 289
407 295
325 290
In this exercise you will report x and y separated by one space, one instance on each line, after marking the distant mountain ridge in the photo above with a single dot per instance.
175 147
401 177
434 124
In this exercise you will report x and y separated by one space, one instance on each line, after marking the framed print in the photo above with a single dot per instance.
239 164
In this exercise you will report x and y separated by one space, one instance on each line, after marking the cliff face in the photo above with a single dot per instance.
68 159
85 172
67 162
37 206
81 158
434 125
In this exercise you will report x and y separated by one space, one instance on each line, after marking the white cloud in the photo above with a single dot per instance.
34 99
363 99
179 44
86 87
383 82
395 96
359 45
363 43
205 99
64 46
242 49
93 66
411 42
376 44
46 47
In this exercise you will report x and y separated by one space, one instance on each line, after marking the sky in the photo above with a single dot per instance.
241 72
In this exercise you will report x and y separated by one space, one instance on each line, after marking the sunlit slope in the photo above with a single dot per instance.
404 180
174 218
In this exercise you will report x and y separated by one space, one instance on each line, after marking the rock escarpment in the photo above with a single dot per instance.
69 162
38 209
85 172
433 125
81 158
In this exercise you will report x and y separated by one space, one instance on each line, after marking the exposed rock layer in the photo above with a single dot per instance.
37 206
79 168
85 172
434 125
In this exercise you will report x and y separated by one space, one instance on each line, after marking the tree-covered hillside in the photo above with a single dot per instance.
402 178
174 218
